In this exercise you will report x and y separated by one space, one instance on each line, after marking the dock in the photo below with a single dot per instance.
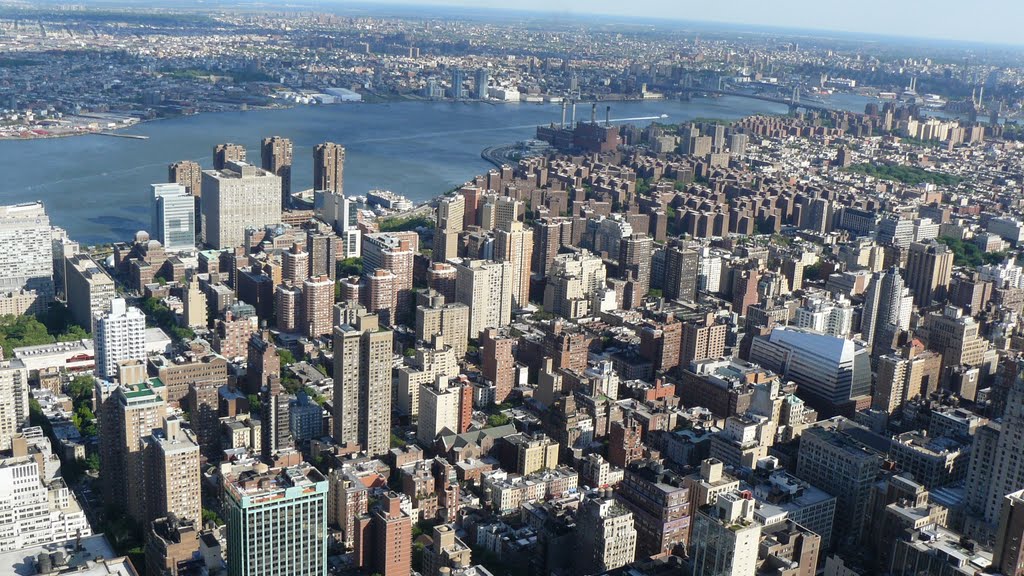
116 135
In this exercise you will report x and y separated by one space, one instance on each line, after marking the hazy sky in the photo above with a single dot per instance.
995 21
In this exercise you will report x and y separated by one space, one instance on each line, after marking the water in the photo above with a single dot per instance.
97 187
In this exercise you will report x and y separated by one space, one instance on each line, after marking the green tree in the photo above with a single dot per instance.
495 420
286 356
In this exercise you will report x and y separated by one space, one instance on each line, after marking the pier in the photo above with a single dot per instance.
116 135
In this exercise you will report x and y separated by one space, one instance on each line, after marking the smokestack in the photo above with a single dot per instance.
573 113
563 113
593 113
607 115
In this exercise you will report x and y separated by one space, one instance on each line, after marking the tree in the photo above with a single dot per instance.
287 358
495 420
81 387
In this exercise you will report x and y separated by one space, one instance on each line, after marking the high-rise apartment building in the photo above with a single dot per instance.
888 304
929 268
90 290
437 317
174 216
276 158
329 167
120 335
317 305
127 417
237 197
188 174
486 287
575 281
36 511
225 153
438 410
362 384
172 473
379 295
605 534
433 360
499 363
635 268
660 502
549 235
903 376
702 340
276 521
451 213
956 336
515 245
294 264
725 537
680 274
395 253
391 530
14 409
26 259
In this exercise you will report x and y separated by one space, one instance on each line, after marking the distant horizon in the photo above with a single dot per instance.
951 32
866 20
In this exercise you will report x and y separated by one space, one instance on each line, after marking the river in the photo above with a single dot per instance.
97 187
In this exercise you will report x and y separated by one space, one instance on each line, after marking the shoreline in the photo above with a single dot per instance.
374 100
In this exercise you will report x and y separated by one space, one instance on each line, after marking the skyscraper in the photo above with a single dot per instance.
635 268
127 417
499 363
237 197
887 308
450 216
294 264
277 521
438 410
394 252
486 287
187 173
680 274
1007 475
225 153
1008 557
480 84
929 267
437 317
172 473
362 384
120 335
14 410
457 90
90 290
392 538
329 167
515 245
26 259
276 158
174 217
549 235
317 300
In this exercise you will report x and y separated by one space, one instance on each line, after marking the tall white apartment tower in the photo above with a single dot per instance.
26 259
120 335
